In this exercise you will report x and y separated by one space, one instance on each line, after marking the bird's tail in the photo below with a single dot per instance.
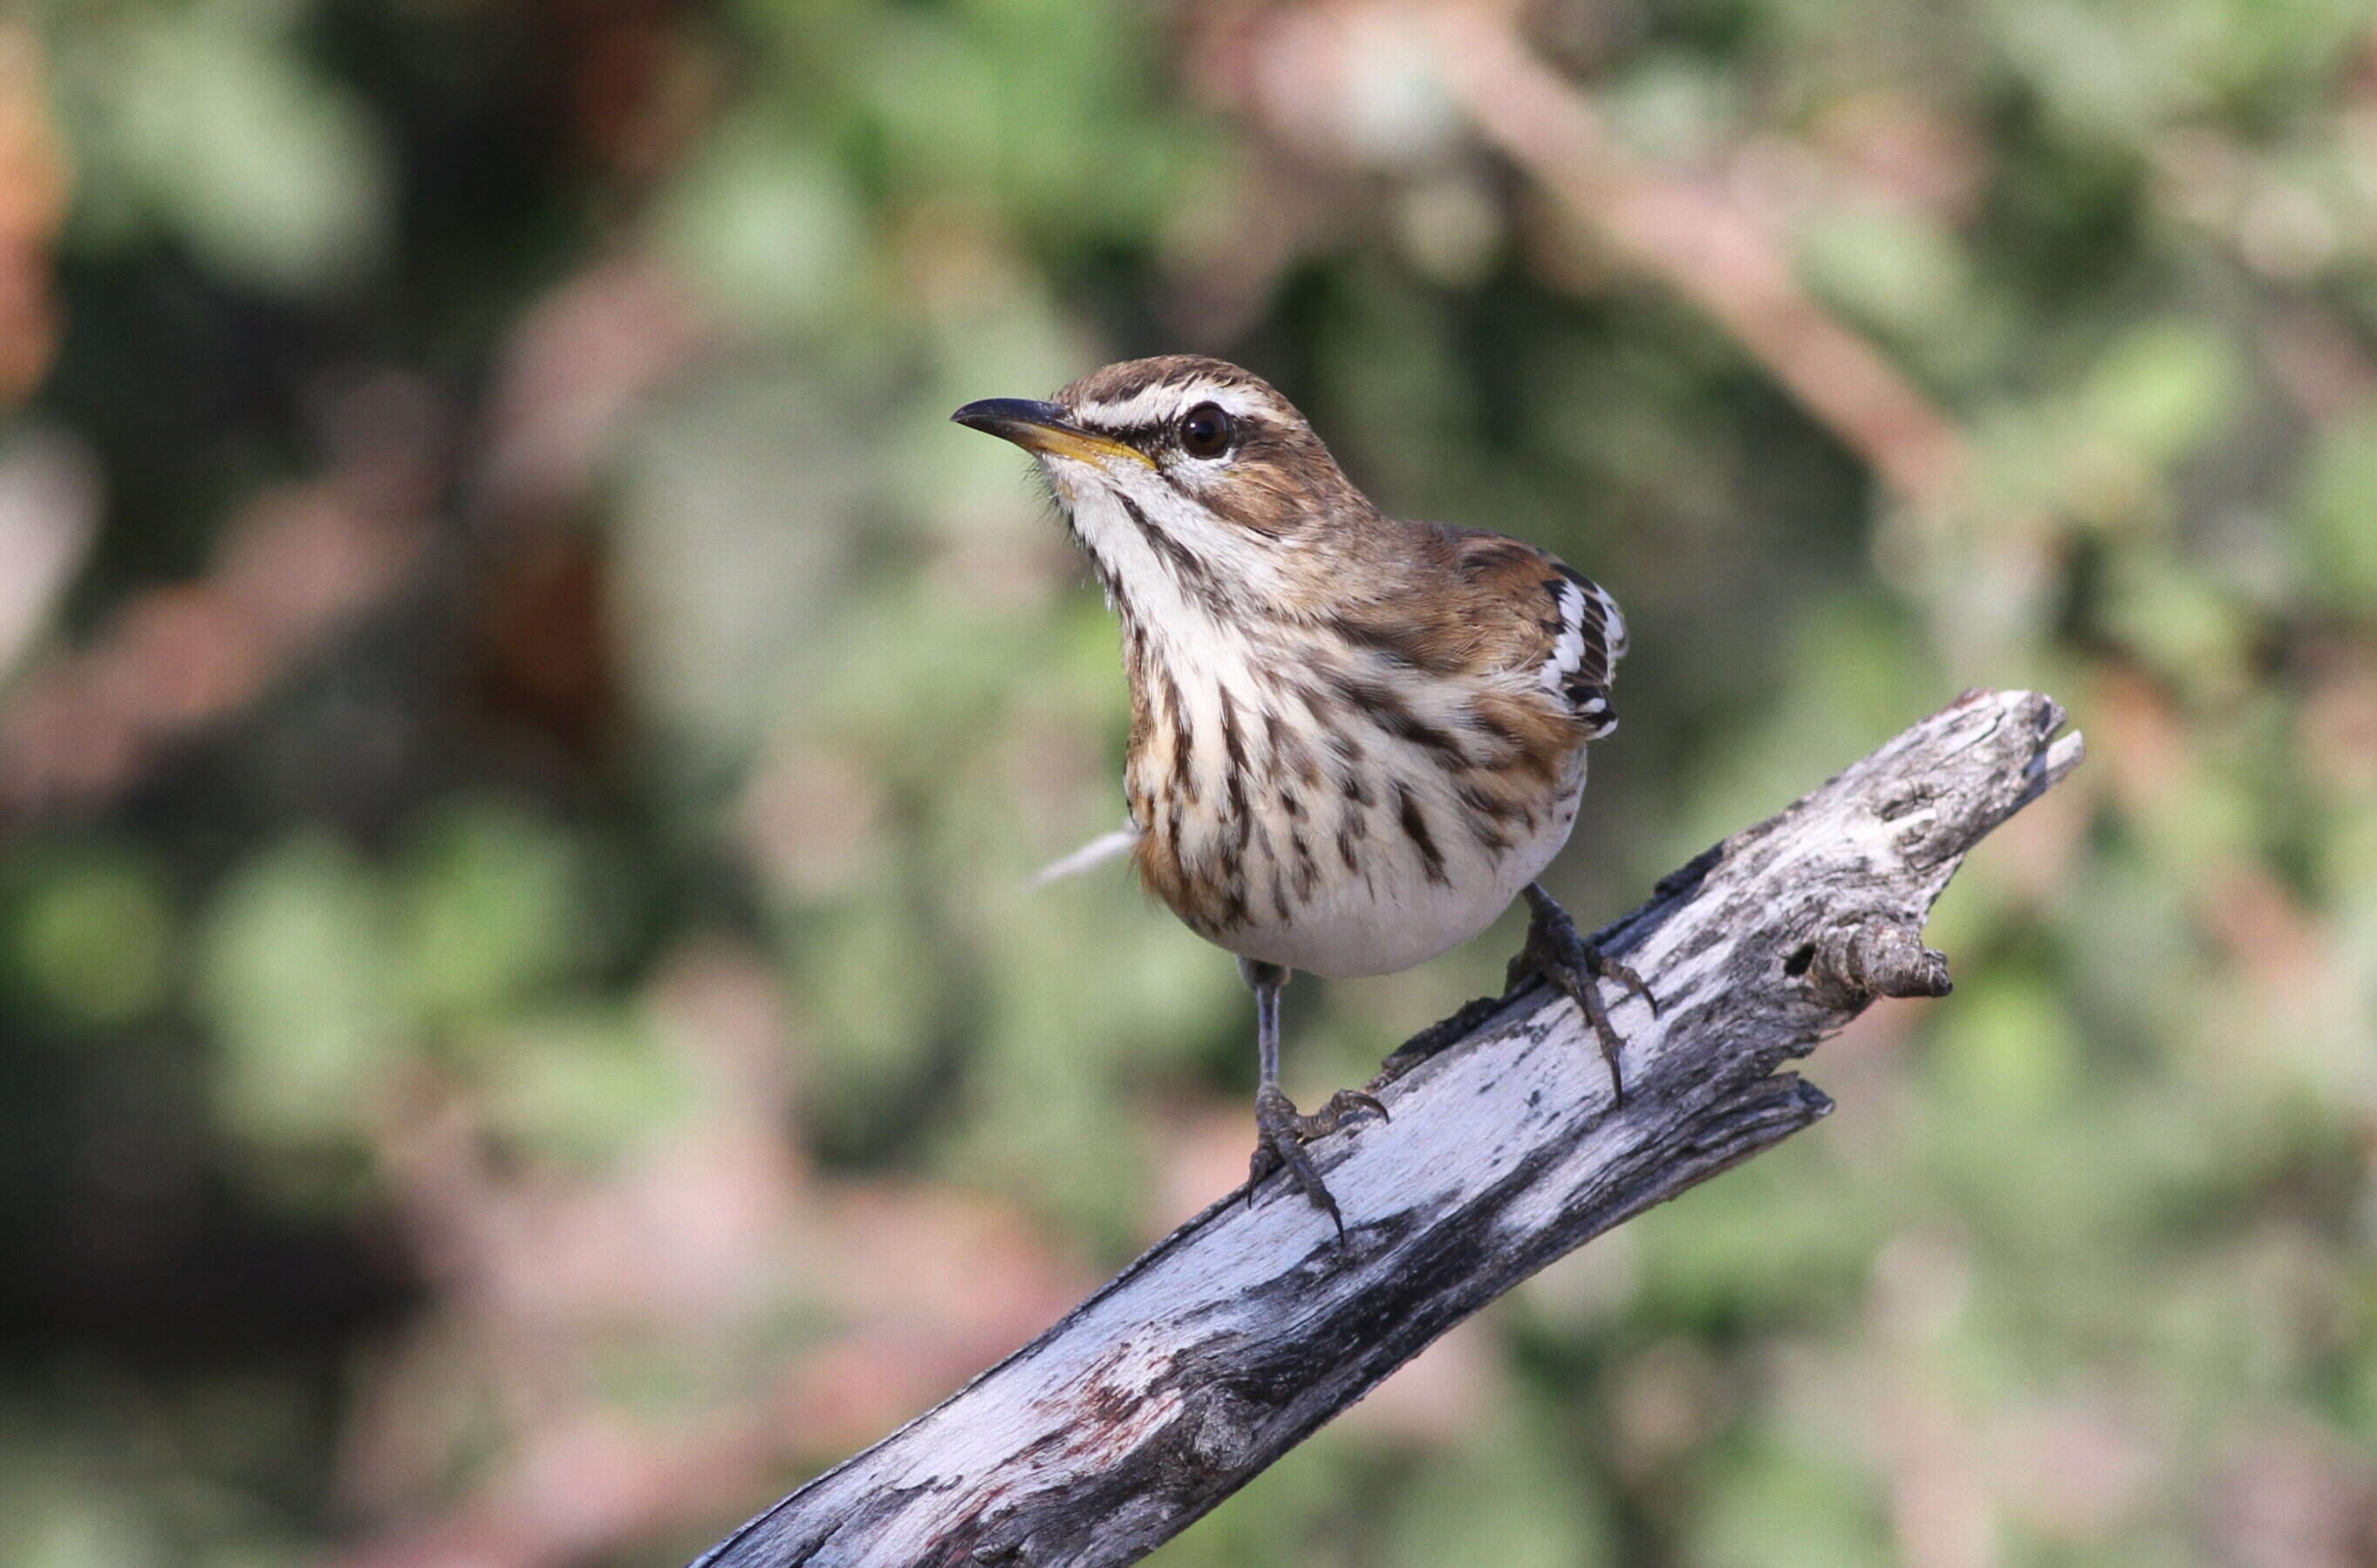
1089 857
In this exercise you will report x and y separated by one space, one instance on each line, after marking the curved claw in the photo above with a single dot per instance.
1572 964
1611 969
1282 1133
1339 1110
1277 1145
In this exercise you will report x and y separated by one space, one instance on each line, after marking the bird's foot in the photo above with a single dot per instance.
1554 951
1281 1133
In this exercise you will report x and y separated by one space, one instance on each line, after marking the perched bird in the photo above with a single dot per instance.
1354 739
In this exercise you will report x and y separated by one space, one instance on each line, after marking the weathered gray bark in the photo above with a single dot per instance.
1246 1328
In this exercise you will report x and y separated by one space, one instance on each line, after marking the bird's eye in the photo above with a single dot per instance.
1205 431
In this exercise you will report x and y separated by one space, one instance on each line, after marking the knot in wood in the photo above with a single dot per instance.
1849 965
1219 1424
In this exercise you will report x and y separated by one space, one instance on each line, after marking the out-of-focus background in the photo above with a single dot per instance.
523 731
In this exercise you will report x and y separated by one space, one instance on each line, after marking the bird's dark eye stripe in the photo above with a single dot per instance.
1131 434
1161 431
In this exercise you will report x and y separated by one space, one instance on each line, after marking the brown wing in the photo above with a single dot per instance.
1561 627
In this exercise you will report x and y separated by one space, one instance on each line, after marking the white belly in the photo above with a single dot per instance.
1390 914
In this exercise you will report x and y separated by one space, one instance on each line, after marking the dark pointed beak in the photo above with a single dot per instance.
1013 419
1044 427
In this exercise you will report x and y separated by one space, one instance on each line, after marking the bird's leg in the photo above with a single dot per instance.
1279 1130
1554 951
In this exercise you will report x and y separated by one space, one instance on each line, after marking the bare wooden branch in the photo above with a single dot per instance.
1246 1328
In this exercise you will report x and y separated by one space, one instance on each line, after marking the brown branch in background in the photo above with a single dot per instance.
33 188
304 560
1703 246
298 560
580 362
49 484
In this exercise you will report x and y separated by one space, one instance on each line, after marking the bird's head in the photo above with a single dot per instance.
1186 473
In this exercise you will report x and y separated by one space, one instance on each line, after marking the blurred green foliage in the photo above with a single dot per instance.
583 976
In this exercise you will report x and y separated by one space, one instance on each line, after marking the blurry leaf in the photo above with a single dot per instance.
2181 624
2007 1046
269 170
979 494
854 967
584 1086
2278 53
1515 1500
2129 915
1671 105
1782 1237
91 1531
1036 110
93 936
1893 268
2162 388
2105 73
768 227
739 502
1778 1504
493 909
295 978
1452 229
1845 681
2358 1393
1392 377
2338 504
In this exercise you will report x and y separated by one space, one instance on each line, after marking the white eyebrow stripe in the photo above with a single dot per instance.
1163 402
